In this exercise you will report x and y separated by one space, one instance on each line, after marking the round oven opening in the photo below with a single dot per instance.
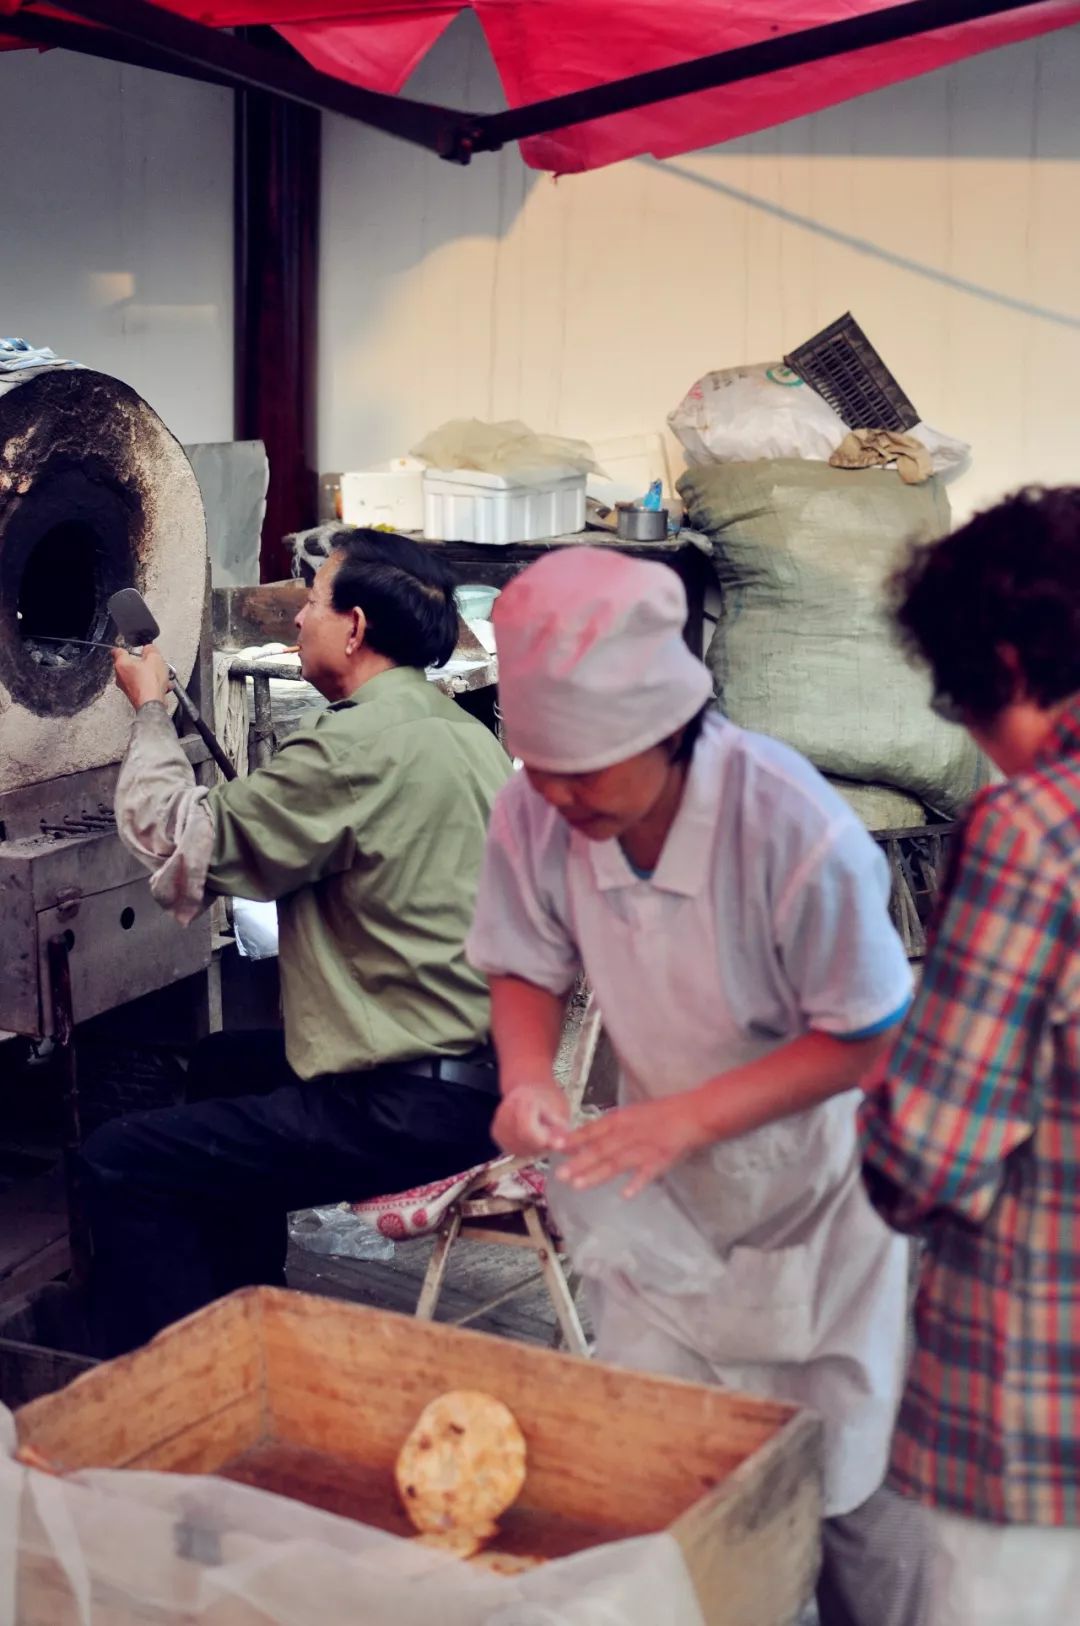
66 546
59 597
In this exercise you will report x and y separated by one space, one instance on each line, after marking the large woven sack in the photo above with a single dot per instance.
881 807
803 649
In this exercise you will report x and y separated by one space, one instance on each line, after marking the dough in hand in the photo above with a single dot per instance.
462 1466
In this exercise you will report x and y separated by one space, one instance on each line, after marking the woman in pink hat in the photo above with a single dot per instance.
730 913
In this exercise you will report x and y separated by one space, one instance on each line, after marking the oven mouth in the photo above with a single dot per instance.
65 547
58 597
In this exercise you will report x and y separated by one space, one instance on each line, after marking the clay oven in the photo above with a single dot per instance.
95 494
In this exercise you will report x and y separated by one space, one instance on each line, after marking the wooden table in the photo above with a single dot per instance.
686 553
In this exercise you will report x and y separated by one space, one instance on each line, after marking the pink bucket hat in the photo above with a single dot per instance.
592 663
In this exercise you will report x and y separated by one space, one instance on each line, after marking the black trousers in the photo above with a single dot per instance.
188 1203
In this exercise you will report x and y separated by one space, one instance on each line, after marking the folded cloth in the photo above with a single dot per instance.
17 356
869 448
419 1212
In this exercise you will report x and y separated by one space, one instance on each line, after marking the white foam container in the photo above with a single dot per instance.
462 505
391 496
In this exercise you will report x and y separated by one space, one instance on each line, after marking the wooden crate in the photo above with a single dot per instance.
312 1399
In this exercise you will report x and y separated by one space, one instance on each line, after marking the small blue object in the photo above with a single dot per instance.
653 498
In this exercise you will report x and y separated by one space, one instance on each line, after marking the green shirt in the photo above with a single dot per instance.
368 829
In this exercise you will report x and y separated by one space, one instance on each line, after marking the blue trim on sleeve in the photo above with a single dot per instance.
877 1027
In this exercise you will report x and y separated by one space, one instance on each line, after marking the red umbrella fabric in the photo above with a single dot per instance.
545 48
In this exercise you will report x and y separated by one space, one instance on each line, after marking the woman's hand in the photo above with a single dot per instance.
643 1141
532 1119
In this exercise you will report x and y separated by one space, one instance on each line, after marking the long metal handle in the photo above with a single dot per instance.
190 709
205 733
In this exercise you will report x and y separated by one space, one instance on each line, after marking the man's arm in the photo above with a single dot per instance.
161 813
259 837
959 1093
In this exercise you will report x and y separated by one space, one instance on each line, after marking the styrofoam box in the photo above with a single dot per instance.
392 496
463 505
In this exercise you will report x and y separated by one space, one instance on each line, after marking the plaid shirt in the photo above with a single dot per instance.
973 1140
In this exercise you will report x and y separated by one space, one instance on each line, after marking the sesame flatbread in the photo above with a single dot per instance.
462 1466
455 1543
504 1563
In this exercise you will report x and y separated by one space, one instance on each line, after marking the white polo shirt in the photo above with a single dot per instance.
766 916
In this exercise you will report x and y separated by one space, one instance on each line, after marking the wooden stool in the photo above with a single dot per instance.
518 1222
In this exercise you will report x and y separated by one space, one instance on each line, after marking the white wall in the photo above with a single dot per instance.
116 223
945 213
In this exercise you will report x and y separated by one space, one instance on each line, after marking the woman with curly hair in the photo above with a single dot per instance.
973 1138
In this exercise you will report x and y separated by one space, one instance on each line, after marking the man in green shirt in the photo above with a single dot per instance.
367 828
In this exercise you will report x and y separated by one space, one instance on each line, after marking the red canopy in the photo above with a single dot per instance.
545 48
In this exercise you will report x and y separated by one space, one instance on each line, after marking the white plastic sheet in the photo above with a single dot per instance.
128 1546
510 449
256 926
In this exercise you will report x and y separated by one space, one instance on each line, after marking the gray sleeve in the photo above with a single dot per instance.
519 927
161 814
839 948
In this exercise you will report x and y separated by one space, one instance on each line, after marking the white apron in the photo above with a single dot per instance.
811 1296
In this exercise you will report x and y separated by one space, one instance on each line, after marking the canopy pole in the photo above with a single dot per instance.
52 33
196 49
277 169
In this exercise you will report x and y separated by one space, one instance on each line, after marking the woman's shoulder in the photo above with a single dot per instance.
775 783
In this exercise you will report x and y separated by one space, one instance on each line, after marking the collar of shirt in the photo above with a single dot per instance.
686 860
376 688
1064 738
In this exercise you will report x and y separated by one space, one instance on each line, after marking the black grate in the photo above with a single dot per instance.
842 365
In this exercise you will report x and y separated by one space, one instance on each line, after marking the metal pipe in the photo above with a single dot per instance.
64 1039
84 643
264 719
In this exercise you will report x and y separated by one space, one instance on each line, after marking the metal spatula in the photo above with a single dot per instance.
136 625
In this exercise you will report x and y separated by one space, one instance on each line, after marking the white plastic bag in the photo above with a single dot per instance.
130 1546
695 1311
742 414
338 1233
511 450
256 926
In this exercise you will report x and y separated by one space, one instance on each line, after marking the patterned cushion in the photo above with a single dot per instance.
419 1212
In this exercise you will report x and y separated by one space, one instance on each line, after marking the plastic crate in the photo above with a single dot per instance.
843 367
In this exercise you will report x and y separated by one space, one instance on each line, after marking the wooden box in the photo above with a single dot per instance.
312 1399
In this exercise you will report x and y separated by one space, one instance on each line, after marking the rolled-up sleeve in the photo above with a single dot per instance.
840 950
960 1092
519 925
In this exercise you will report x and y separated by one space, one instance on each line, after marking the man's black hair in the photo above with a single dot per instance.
1007 580
405 591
